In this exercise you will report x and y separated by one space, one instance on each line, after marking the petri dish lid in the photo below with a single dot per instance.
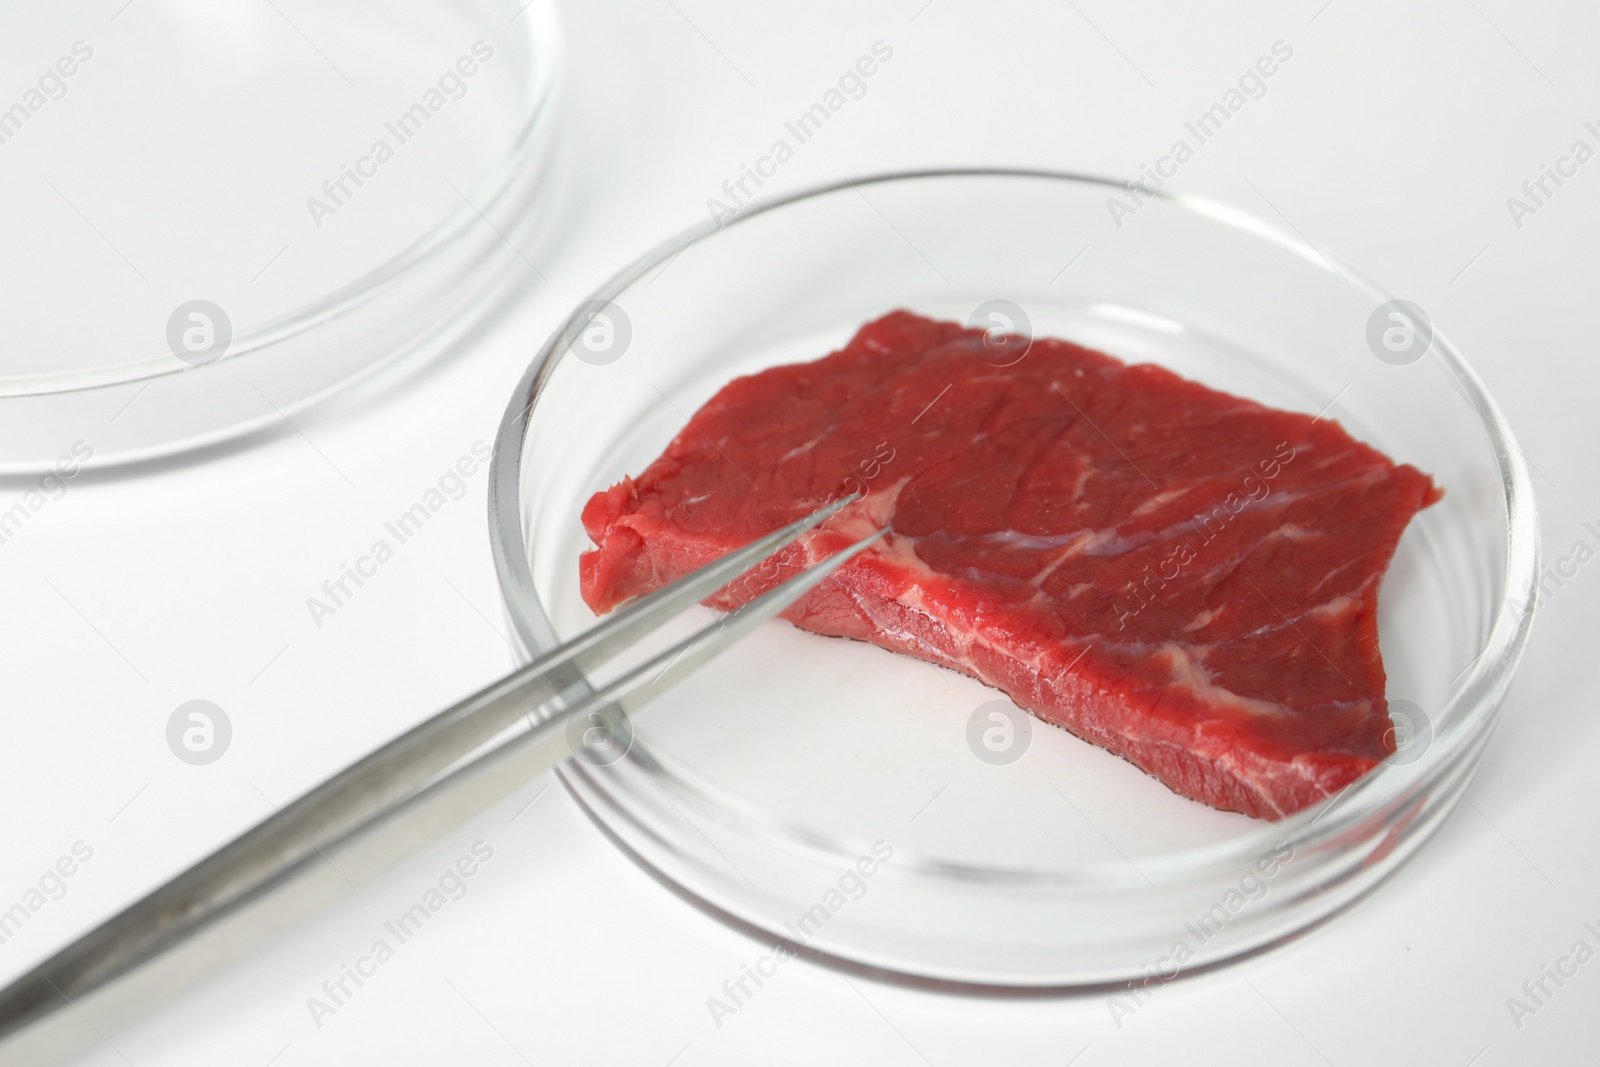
221 211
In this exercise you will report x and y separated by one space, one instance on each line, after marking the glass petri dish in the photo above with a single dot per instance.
770 786
221 212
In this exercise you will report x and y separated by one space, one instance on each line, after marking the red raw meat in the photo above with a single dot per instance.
1180 576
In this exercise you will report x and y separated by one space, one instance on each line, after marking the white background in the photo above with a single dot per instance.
1393 137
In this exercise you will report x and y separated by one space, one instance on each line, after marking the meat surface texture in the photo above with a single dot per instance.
1183 577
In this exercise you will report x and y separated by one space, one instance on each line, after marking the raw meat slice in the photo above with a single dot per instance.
1184 577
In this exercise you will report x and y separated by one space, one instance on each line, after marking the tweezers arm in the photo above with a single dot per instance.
289 840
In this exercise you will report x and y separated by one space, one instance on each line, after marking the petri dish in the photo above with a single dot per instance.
223 211
770 786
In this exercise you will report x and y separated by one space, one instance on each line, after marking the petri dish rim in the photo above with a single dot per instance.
1470 710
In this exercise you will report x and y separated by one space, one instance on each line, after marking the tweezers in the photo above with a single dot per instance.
547 705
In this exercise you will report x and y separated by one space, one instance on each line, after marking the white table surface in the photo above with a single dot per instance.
1394 137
